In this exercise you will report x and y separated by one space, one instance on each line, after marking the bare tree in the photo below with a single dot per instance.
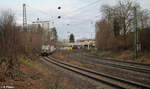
143 18
123 14
9 39
119 20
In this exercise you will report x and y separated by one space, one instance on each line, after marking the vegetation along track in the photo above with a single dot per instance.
119 61
116 82
137 67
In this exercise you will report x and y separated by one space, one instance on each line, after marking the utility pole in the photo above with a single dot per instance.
136 34
24 17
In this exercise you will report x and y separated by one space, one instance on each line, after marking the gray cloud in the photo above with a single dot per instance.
79 19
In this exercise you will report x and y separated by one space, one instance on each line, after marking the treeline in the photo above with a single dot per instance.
10 40
116 29
16 41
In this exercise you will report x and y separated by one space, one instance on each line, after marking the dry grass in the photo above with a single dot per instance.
28 78
65 57
125 56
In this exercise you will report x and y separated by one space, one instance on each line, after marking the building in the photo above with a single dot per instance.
86 44
46 26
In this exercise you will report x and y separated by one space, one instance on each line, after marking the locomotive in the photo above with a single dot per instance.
47 50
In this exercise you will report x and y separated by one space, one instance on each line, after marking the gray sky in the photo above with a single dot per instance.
81 20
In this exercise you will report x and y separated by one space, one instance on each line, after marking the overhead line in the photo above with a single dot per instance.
81 8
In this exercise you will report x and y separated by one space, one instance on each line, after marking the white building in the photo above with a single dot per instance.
46 25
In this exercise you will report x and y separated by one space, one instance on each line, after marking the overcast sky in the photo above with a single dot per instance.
76 18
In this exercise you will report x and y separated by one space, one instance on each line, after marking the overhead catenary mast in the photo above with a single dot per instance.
24 18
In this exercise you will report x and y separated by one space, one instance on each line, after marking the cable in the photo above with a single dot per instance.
84 7
46 14
84 20
81 8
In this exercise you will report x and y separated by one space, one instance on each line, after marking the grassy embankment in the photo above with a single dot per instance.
123 55
44 75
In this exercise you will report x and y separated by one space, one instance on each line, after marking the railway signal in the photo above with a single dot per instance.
59 7
59 17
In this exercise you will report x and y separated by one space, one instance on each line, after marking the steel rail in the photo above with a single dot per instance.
121 66
109 59
89 73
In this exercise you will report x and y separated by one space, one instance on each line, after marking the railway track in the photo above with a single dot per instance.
113 81
142 64
137 67
119 61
